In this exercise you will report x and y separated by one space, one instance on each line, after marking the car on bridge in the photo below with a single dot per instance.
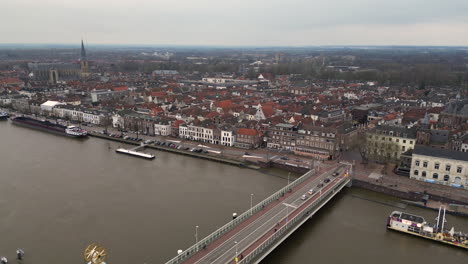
311 191
335 173
320 185
326 180
303 197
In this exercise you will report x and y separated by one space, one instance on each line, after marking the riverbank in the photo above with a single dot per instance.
178 151
375 178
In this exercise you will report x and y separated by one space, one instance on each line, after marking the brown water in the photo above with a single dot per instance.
59 194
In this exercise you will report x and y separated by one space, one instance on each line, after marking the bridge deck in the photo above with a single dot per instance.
249 234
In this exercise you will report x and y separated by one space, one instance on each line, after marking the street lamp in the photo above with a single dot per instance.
235 258
251 203
196 234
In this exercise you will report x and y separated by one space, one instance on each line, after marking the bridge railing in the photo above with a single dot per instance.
241 218
304 213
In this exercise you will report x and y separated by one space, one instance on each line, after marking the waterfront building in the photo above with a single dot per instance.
387 143
440 166
163 128
318 142
282 136
248 138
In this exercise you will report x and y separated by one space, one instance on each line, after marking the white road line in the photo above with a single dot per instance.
313 182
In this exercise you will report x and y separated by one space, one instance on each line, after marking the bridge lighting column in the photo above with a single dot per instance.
235 258
251 203
196 234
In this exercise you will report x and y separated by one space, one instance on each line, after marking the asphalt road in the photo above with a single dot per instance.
226 251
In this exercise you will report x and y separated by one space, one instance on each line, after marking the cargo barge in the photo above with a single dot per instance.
417 226
70 131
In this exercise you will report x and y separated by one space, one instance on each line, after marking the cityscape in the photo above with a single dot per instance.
272 150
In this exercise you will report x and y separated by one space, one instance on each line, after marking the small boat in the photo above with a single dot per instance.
4 116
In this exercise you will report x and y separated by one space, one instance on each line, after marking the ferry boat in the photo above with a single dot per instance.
4 116
71 131
417 226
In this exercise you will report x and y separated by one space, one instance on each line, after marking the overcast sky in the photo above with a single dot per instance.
236 22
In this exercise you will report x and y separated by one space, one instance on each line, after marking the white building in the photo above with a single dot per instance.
49 105
440 166
227 138
163 129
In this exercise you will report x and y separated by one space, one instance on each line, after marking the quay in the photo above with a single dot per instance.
182 152
250 237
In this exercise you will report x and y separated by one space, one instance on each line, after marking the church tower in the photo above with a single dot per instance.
84 67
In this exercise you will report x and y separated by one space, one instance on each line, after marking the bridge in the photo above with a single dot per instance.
251 236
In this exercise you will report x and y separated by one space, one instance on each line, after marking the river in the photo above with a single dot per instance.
59 194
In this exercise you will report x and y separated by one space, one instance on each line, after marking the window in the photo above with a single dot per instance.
404 140
397 140
423 174
435 176
416 172
446 178
383 138
425 164
459 169
447 167
403 148
370 136
411 142
436 166
416 163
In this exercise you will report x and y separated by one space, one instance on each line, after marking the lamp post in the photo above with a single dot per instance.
196 234
289 174
251 203
235 258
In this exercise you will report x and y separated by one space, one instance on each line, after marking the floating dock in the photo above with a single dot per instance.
135 153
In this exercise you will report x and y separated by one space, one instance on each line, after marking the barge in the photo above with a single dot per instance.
70 131
417 226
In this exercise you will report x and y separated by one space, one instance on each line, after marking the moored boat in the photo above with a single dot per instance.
71 131
4 115
417 226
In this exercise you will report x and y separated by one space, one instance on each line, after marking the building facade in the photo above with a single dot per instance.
440 166
387 143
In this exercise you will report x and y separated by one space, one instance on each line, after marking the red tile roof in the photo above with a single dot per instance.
247 132
119 89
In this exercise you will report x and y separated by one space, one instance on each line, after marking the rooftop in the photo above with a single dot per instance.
440 153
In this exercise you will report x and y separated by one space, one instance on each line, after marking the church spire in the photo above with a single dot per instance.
83 51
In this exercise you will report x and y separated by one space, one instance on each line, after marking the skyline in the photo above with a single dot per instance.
221 23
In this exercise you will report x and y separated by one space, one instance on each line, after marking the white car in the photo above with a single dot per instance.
303 197
310 192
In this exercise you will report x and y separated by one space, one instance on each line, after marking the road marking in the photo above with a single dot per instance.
238 234
290 205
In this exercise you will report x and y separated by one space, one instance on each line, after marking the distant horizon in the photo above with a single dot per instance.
135 45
